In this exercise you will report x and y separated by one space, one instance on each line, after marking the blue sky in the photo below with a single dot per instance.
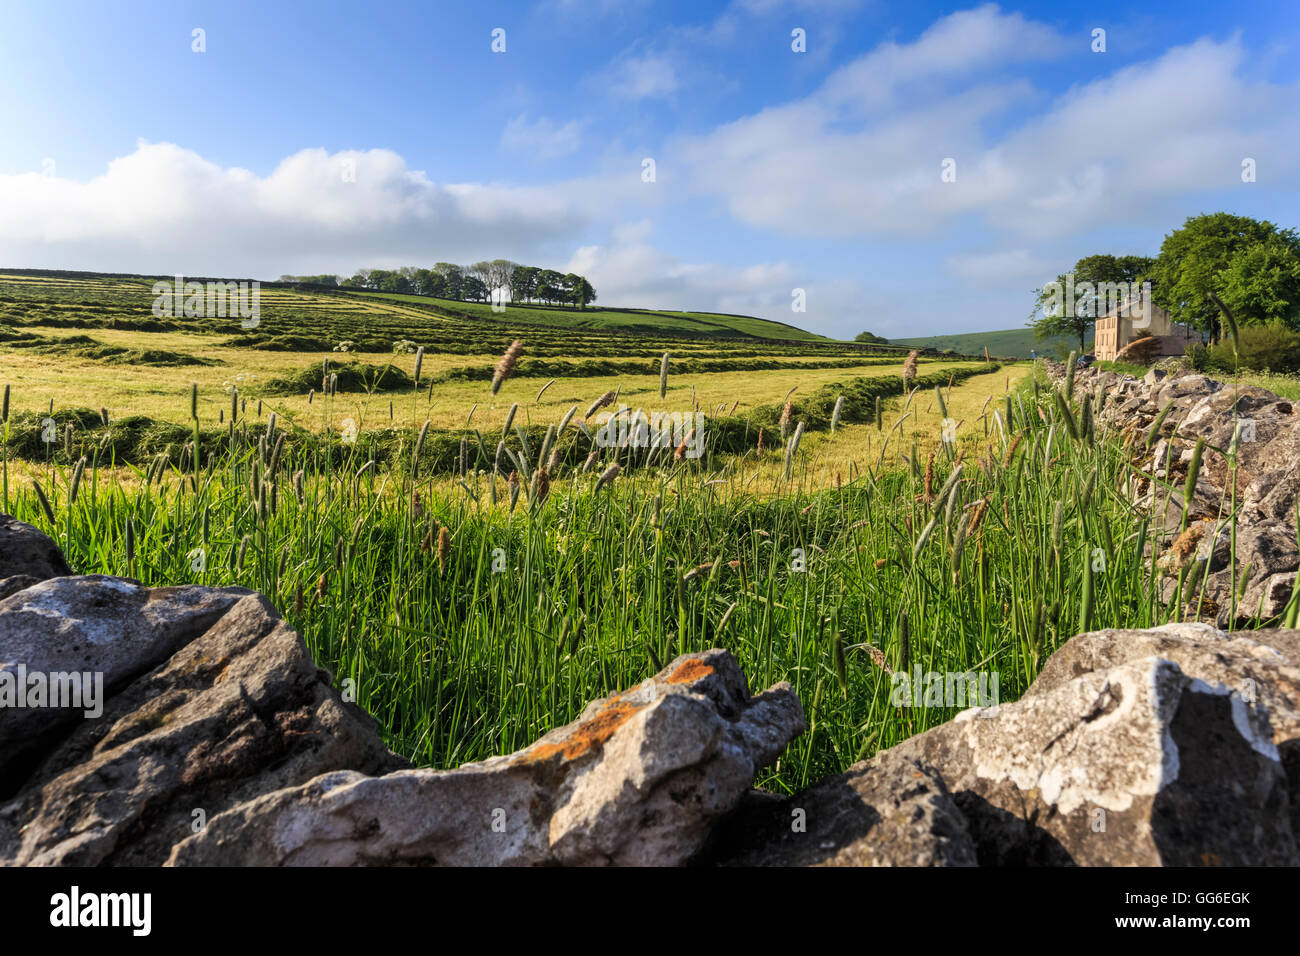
333 136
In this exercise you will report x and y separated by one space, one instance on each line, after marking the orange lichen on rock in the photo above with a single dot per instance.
592 732
689 672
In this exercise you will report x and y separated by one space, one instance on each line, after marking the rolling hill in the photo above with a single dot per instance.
1005 343
709 324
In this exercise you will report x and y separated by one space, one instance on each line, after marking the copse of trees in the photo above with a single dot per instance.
475 283
870 338
312 280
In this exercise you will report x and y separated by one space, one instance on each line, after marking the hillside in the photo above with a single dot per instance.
611 319
1005 343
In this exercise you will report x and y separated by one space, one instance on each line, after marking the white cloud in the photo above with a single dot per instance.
629 271
642 77
542 138
165 209
862 155
1002 266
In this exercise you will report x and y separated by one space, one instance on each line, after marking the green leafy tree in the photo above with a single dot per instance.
550 286
870 338
523 283
1197 261
1261 283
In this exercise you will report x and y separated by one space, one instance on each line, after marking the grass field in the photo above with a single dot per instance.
478 584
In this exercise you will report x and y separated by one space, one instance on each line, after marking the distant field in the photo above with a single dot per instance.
1007 343
626 320
92 343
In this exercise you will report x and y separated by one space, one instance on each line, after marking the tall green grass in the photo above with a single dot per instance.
468 628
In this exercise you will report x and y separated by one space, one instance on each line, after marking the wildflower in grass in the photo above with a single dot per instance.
403 347
426 543
909 367
609 475
348 431
599 403
663 375
758 450
835 412
787 415
417 505
881 562
297 599
322 586
347 345
590 463
543 485
419 363
513 484
507 364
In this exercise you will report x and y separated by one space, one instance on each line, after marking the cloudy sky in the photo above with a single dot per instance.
331 136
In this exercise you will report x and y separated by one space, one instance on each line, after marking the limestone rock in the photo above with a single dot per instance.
25 550
1139 764
637 779
896 814
235 712
107 630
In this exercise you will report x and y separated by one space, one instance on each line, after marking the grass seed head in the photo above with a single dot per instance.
909 367
507 364
599 403
608 475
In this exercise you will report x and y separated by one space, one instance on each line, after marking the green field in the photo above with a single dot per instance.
482 564
644 321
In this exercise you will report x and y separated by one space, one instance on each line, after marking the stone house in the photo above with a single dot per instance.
1133 318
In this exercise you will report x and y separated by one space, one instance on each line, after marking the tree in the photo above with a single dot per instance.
1261 283
450 280
474 289
523 283
500 271
482 271
870 338
550 286
1197 260
586 292
1070 305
